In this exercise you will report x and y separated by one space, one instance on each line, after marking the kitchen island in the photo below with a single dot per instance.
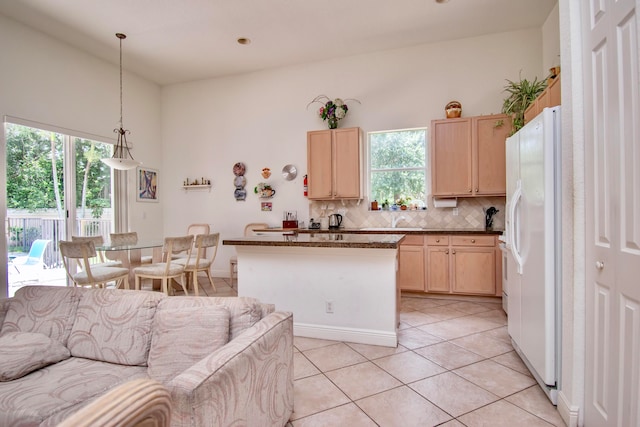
339 286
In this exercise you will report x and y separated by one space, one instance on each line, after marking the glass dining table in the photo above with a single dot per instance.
131 256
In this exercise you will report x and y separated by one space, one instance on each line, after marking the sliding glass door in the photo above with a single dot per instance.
56 187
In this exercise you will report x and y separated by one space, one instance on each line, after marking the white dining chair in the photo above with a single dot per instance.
201 262
125 239
97 242
97 276
168 269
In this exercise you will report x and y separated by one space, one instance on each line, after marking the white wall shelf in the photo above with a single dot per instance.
197 187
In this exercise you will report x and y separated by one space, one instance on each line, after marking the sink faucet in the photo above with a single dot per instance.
395 220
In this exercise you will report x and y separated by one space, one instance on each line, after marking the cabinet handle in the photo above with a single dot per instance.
447 252
599 265
476 190
437 240
453 251
473 240
469 190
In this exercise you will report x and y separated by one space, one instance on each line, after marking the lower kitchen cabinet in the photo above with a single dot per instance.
411 264
451 264
438 266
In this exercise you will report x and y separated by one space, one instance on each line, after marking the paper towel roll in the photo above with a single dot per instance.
445 203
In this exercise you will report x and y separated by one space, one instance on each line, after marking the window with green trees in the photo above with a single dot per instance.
41 165
35 171
397 166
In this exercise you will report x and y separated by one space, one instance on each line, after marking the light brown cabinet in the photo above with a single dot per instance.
550 97
334 164
473 265
438 265
411 263
468 156
452 264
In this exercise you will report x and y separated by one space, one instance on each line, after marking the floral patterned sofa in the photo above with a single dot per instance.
225 361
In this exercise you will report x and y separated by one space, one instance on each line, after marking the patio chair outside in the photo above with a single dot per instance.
31 265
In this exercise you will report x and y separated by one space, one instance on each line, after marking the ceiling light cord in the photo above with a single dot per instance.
122 158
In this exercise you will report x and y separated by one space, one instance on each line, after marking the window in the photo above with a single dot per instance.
397 166
56 186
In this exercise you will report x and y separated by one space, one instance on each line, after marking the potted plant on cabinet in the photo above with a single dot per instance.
520 95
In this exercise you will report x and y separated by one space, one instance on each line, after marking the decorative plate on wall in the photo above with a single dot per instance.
238 169
289 172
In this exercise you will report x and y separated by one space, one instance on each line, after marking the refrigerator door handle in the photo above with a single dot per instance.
515 226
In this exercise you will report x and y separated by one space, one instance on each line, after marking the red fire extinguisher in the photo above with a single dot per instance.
306 186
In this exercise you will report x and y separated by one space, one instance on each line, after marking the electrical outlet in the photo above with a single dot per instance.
455 211
329 306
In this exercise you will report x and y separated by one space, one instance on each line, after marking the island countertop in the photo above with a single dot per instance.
384 230
321 240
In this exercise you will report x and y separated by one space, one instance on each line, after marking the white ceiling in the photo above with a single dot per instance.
172 41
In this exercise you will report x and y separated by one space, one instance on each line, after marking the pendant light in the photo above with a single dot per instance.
122 158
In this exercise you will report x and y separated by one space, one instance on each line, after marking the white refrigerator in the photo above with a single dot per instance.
533 241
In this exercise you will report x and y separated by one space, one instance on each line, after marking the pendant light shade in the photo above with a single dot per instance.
122 158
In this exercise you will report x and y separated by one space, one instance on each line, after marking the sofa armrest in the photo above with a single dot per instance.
249 381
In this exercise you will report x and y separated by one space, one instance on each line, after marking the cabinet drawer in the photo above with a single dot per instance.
473 240
437 240
413 240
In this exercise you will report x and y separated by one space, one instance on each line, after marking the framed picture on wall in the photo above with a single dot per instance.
147 188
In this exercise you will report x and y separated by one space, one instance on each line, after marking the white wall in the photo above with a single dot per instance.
550 42
49 82
261 118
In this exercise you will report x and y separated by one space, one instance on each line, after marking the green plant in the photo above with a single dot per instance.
520 95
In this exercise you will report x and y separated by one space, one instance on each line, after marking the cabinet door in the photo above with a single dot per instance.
347 164
438 269
319 164
474 270
451 157
491 133
554 92
411 268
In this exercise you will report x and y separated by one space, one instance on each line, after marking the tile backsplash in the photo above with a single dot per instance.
358 215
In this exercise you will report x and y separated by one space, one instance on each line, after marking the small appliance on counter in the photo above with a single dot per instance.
334 221
314 225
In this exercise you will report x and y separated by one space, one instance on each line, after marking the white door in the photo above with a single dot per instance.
612 170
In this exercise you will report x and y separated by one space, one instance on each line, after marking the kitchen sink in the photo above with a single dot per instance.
391 229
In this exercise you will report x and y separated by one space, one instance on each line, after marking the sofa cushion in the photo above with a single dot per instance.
184 336
49 310
114 325
45 397
24 352
244 312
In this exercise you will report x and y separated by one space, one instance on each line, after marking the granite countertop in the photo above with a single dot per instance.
387 231
321 240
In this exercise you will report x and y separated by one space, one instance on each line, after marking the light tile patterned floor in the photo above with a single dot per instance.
454 366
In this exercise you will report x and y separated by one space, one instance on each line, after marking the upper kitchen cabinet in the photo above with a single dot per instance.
550 97
451 157
468 156
334 164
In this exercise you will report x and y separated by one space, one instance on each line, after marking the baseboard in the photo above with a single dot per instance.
360 336
568 412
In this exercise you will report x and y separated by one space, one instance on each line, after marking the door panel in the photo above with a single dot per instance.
612 196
